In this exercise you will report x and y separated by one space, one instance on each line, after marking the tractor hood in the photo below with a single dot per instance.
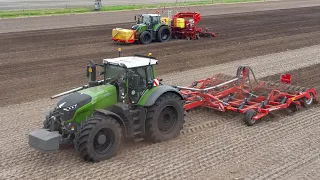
74 100
90 97
139 27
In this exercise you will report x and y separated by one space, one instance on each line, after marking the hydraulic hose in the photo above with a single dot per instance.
240 70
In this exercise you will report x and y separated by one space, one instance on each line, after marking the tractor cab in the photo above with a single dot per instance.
147 19
131 75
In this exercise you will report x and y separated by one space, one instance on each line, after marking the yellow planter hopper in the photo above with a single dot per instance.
123 35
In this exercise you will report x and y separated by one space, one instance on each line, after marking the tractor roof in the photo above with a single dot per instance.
131 61
152 14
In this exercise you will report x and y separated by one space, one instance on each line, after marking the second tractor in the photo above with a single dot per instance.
153 27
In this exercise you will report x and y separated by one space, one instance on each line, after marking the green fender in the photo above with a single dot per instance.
157 26
113 115
140 28
151 95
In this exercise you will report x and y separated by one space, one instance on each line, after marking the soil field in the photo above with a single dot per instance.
38 64
212 145
306 77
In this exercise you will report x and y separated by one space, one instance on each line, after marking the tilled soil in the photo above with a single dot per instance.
307 77
212 146
38 64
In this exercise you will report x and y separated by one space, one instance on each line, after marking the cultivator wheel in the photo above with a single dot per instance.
248 117
305 102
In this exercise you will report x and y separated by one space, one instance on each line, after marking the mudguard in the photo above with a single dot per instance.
114 115
158 92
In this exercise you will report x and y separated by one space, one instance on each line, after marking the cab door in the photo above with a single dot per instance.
139 80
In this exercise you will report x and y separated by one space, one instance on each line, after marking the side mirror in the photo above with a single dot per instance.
91 73
150 85
135 81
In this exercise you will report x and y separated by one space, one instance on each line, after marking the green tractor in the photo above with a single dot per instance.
148 28
127 103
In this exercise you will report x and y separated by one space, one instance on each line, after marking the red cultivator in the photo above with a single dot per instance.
244 95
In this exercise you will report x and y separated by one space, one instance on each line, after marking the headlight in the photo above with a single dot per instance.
70 107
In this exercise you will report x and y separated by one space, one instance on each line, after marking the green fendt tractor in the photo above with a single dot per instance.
148 28
128 102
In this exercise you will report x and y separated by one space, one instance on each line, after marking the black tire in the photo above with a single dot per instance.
164 34
47 122
165 118
110 135
305 102
198 37
248 117
145 37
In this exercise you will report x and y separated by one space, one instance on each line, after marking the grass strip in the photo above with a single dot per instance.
66 11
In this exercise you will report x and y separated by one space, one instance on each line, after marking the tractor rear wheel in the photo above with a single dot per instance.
99 138
145 37
165 118
164 34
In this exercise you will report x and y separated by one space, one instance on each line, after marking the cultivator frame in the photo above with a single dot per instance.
239 94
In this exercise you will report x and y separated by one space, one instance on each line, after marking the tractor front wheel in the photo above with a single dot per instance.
165 118
164 34
47 122
99 138
145 37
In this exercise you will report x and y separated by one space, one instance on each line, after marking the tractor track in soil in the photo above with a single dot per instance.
41 63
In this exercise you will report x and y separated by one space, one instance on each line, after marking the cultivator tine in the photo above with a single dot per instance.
228 99
250 97
243 103
195 83
264 103
284 100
